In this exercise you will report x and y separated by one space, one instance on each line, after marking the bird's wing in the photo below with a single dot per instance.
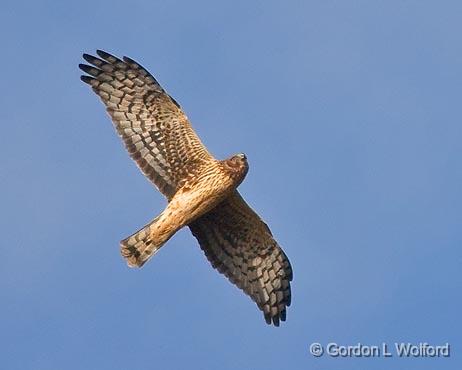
156 132
240 245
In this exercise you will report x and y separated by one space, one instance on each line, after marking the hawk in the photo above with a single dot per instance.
201 190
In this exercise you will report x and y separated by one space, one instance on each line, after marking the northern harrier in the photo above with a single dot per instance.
201 190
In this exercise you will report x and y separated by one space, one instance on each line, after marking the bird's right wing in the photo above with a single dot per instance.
240 245
156 132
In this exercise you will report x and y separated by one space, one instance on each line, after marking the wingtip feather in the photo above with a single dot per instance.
89 58
103 54
108 57
87 79
129 60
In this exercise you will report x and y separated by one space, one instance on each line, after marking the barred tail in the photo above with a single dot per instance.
142 245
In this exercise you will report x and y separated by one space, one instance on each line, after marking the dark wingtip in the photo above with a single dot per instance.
90 70
87 79
89 58
103 54
108 57
130 61
84 67
275 320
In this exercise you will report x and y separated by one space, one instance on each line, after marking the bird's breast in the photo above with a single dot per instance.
201 193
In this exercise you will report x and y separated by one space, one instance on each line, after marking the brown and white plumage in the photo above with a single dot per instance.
200 189
240 245
155 131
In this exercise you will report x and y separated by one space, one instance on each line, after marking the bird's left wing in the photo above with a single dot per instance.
240 245
156 132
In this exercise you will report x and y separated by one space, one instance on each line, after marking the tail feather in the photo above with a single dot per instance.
140 246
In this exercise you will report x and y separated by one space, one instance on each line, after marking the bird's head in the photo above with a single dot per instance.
238 166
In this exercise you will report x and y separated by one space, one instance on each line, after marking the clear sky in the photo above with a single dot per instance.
350 115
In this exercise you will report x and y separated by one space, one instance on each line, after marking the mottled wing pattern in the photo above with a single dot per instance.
240 245
156 132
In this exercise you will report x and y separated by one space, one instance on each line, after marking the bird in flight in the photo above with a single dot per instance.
201 190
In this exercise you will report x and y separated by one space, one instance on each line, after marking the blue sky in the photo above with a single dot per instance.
350 115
